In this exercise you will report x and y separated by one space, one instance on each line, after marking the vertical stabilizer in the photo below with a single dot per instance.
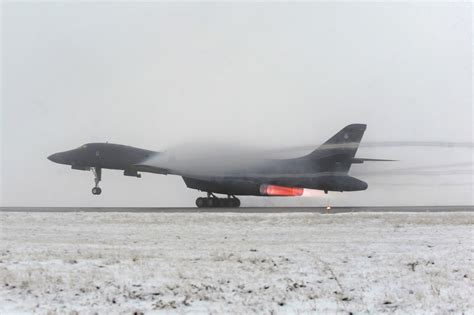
337 152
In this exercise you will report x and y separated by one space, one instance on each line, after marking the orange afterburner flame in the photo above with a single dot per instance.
273 190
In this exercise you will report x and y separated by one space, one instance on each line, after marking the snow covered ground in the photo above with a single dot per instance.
296 263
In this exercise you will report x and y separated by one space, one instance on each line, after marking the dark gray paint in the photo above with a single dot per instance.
326 168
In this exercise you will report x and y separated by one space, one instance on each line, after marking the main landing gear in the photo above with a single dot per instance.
213 202
97 171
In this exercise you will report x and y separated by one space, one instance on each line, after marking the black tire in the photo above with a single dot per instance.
99 191
200 202
223 203
229 203
210 202
94 191
235 203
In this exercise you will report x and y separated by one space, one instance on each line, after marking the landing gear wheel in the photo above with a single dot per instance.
200 202
97 171
214 202
227 203
235 202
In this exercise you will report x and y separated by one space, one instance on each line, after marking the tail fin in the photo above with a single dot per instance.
345 141
337 153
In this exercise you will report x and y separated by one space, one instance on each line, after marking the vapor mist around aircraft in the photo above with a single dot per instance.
209 159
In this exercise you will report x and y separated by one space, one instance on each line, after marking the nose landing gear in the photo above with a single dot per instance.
97 171
214 202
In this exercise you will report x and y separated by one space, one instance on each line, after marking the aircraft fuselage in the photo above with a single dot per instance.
326 168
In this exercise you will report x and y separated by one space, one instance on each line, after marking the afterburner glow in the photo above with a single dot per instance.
273 190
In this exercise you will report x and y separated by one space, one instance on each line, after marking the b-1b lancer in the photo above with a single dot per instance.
326 169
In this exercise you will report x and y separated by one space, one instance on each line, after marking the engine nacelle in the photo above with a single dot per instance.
339 183
282 191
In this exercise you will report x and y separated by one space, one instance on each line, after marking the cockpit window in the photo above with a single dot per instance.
84 146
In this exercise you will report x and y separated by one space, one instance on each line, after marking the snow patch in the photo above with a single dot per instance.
236 263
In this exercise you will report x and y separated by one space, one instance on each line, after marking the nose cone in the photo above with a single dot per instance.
56 158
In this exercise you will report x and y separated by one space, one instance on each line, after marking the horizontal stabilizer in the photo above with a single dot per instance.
362 160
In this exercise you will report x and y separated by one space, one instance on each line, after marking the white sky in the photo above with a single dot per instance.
155 75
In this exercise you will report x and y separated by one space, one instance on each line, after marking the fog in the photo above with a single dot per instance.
222 79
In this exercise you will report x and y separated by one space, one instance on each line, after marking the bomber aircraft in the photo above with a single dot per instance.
326 169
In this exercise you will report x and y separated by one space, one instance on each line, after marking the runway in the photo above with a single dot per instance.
412 209
242 263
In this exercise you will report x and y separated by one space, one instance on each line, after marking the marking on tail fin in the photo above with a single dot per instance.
336 154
